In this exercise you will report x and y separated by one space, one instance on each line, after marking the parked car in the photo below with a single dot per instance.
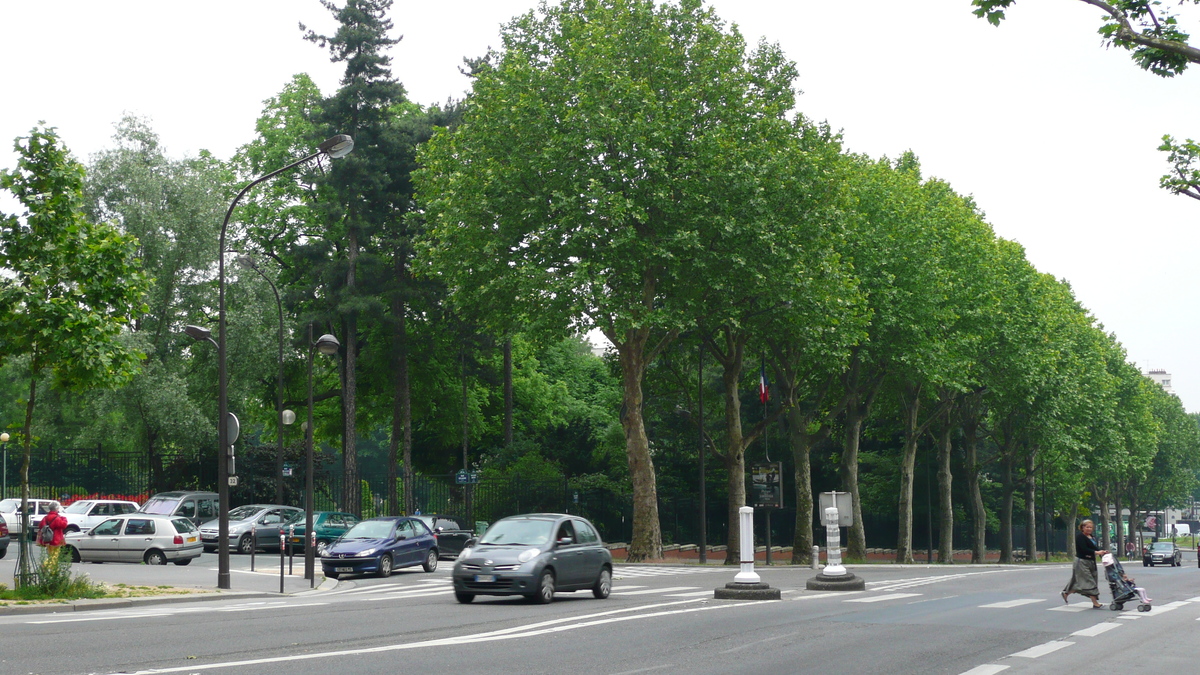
3 537
10 510
450 534
329 525
1162 553
251 527
84 514
197 507
137 537
535 555
380 545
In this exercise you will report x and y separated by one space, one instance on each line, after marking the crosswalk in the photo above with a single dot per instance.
635 571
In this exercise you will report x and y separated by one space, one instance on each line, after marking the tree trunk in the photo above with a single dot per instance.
508 394
647 533
856 540
735 451
353 502
1031 547
801 445
1072 528
908 460
1102 497
400 447
1006 512
978 511
23 560
945 496
1120 521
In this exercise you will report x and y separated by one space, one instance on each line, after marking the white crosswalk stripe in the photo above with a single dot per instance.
1009 604
1076 607
886 596
659 571
897 584
649 591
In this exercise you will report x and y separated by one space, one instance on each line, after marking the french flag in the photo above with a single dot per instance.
764 392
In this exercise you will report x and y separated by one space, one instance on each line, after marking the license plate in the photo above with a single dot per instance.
485 578
343 569
297 540
191 540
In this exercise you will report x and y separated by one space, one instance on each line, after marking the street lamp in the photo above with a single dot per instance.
334 147
327 345
248 262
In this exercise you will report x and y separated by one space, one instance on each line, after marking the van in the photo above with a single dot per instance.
197 507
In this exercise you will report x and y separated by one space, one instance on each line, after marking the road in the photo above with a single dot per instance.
914 619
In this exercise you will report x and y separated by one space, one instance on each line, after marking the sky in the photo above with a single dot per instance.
1053 135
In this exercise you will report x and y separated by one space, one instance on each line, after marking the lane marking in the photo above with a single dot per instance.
985 669
1008 604
174 612
648 591
645 670
693 594
1043 649
881 598
830 594
405 596
1155 610
1076 607
898 584
1099 628
753 644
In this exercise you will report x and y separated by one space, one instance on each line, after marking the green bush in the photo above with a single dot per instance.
55 583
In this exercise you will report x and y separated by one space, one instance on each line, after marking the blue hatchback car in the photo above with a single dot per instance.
380 545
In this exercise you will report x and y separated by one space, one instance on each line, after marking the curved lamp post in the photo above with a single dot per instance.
335 147
327 345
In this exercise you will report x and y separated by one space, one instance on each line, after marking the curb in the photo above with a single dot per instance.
92 604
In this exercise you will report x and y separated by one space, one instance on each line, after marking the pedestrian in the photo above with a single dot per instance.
57 524
1083 574
1129 548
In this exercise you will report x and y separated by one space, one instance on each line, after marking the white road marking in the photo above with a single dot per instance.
658 590
985 669
1093 631
1008 604
645 670
1077 607
813 596
881 598
693 594
403 596
1043 649
1155 610
657 571
753 644
142 614
1195 599
897 584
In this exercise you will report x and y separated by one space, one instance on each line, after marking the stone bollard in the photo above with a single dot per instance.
746 585
834 577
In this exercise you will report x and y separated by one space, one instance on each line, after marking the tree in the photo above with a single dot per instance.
73 288
607 143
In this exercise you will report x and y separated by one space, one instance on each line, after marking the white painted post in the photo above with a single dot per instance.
816 558
747 575
833 539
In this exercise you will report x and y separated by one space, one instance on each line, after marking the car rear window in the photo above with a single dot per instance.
139 526
183 525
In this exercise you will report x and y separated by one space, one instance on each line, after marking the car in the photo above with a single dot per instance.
534 555
3 537
137 537
329 525
197 507
84 514
380 545
10 508
1162 553
251 527
451 536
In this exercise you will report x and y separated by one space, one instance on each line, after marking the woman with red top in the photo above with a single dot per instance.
58 525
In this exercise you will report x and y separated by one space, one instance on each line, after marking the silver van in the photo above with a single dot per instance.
197 507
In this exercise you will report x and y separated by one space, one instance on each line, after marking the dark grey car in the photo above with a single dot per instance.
534 555
251 527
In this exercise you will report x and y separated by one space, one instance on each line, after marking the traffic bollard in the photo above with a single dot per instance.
281 537
816 558
746 575
312 541
253 545
291 536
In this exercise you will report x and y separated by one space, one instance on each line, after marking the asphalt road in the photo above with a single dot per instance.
960 619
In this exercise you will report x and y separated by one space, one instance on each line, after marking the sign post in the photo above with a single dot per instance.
766 484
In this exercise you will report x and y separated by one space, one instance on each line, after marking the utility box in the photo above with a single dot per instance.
843 503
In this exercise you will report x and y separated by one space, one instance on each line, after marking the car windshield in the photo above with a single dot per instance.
244 512
163 505
10 505
518 532
78 507
296 518
1160 547
428 520
370 529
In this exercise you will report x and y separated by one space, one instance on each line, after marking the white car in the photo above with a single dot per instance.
9 508
84 514
136 538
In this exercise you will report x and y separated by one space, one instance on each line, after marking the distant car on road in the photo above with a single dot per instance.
1162 553
3 537
137 537
451 535
534 555
84 514
380 545
329 525
251 527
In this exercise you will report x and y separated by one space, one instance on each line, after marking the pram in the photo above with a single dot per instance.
1122 587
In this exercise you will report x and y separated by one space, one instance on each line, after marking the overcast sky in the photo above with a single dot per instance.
1052 134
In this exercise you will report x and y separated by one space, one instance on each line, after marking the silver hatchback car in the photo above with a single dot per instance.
137 537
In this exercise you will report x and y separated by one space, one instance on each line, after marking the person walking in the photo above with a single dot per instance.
58 525
1083 574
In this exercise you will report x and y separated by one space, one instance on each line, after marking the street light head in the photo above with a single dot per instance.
288 417
247 261
197 332
4 438
328 345
337 146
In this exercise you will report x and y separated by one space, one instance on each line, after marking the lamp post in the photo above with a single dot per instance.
335 147
4 445
327 345
248 262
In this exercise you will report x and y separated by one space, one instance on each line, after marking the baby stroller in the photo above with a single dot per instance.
1122 587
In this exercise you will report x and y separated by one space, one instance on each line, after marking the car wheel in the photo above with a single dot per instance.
322 547
464 598
155 557
210 549
184 562
74 553
332 575
431 560
245 545
544 594
603 586
3 552
385 566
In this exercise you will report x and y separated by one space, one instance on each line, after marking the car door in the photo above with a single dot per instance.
568 556
102 543
591 550
267 528
405 551
138 536
451 537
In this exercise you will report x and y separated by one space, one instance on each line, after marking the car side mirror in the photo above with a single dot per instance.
438 529
566 541
401 537
471 543
91 533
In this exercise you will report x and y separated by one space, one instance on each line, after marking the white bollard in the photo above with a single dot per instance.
747 575
833 539
816 558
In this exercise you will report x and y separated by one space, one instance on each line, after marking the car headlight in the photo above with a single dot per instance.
529 554
464 553
363 554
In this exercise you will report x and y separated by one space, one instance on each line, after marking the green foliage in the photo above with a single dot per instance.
55 582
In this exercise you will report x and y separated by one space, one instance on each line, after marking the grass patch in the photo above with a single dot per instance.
55 582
